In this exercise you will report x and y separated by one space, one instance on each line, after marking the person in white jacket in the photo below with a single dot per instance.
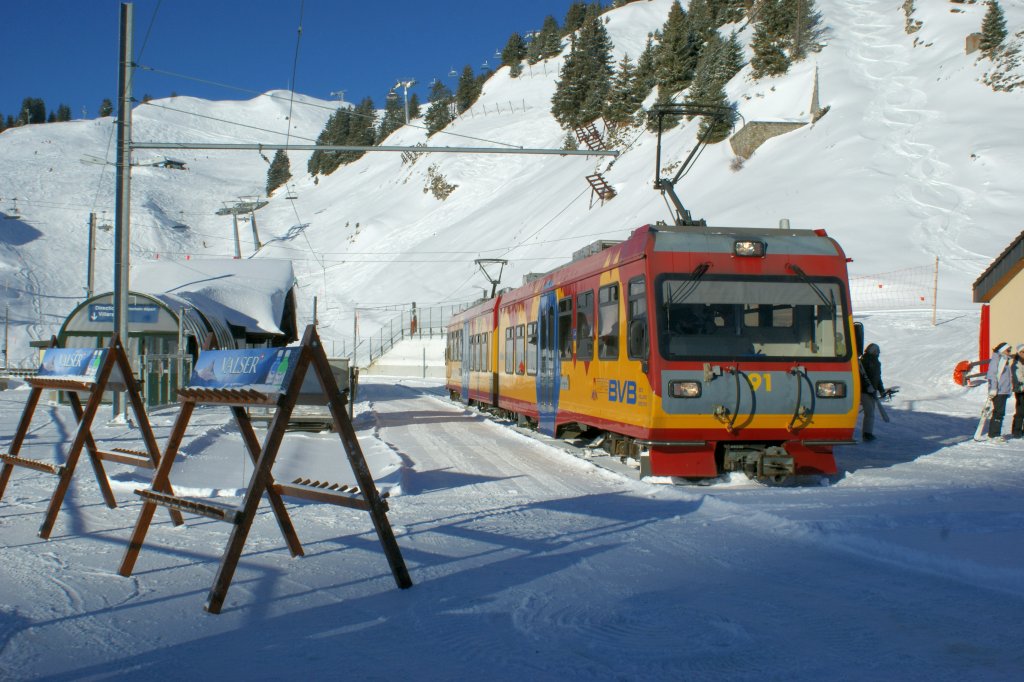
1000 386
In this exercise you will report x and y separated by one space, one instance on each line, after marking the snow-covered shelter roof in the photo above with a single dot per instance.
253 294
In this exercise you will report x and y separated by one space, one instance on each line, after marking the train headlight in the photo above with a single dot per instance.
830 389
748 247
684 389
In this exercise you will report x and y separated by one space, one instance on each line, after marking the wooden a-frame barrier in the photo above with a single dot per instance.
90 372
282 388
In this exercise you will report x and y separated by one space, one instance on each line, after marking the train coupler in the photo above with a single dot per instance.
759 462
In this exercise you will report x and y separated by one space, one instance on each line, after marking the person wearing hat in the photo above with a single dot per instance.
871 388
1000 386
1017 429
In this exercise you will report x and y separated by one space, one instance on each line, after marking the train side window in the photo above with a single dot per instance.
531 348
637 340
608 322
510 357
565 328
487 351
520 349
585 326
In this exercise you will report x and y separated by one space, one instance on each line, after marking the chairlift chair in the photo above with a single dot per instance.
452 73
291 195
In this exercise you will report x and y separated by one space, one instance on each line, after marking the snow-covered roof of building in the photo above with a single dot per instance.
249 293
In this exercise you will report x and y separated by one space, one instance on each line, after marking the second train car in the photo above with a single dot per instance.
696 350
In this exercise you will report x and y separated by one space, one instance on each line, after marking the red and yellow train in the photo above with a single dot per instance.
697 350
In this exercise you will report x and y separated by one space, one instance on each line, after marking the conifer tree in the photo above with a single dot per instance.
414 106
52 118
335 132
546 43
707 75
33 110
513 54
701 17
10 122
802 26
468 90
676 56
63 112
279 171
623 99
394 116
585 80
362 130
646 77
574 18
717 128
106 108
714 70
3 127
770 38
993 29
439 113
729 11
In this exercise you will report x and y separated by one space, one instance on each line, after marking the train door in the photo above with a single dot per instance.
548 369
466 360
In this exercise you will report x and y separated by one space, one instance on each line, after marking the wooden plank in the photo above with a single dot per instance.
35 464
252 445
142 461
352 498
212 510
61 384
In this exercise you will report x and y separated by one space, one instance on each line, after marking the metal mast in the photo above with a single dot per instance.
122 206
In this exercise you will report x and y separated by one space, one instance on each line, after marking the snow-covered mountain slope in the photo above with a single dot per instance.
915 159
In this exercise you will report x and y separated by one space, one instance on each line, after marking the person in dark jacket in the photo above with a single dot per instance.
1000 386
1017 431
871 388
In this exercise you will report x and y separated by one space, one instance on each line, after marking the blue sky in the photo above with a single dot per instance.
65 51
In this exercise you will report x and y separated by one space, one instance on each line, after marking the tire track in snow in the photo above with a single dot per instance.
879 49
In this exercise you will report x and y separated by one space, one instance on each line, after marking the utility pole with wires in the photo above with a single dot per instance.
90 268
122 206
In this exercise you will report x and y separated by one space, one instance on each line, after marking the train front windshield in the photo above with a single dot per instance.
779 318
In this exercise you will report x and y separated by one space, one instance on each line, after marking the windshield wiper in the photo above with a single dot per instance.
685 291
829 301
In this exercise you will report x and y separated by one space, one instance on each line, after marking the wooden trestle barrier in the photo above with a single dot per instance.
284 395
91 372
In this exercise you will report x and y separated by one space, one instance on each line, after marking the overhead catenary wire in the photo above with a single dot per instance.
352 111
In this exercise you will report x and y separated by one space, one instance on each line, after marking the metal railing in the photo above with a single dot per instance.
419 323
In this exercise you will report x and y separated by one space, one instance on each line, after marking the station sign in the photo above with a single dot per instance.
139 313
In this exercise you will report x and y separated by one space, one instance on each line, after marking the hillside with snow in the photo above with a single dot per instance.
530 558
915 159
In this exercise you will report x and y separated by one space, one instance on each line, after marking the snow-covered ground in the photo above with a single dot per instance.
527 560
530 562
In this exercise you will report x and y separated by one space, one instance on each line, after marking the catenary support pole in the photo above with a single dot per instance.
122 206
